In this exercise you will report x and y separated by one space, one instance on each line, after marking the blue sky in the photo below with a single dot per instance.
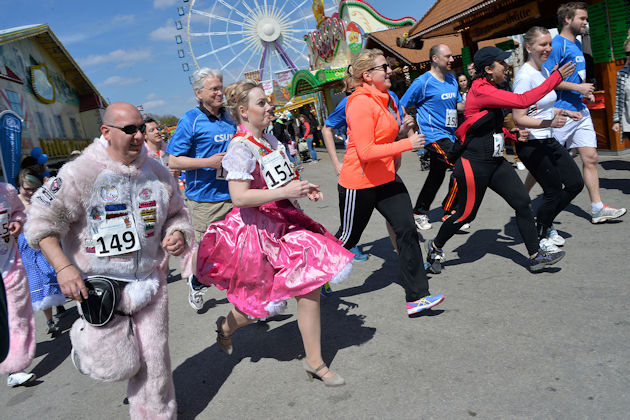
128 49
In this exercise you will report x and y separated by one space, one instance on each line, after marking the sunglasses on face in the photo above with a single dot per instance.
131 129
383 67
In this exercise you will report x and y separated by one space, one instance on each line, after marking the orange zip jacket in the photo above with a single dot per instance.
372 129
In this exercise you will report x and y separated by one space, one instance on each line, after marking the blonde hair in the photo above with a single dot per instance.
237 95
364 62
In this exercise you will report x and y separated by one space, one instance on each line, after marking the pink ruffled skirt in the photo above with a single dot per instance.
265 255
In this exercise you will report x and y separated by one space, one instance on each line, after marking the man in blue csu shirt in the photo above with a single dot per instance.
580 135
435 95
197 147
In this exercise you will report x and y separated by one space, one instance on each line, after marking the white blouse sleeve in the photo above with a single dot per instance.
239 162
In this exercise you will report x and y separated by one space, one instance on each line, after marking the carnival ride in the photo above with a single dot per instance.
253 38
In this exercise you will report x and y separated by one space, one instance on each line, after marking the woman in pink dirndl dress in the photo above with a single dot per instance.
267 250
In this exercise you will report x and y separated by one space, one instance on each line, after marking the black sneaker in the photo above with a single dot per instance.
53 328
435 257
544 258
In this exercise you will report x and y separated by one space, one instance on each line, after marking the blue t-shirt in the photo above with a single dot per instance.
435 102
337 119
563 52
200 136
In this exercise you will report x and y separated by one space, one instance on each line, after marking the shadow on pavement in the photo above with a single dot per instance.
619 165
388 273
622 185
56 349
199 378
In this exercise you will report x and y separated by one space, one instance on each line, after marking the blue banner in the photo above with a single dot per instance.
10 145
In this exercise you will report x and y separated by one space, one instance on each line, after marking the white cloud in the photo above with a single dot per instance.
162 4
73 38
124 19
151 96
120 81
154 104
122 57
165 32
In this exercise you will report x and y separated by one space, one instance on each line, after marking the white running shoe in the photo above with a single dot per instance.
607 213
19 378
520 166
195 296
422 221
548 246
555 237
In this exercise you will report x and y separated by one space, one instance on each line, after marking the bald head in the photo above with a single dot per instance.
123 128
441 57
120 111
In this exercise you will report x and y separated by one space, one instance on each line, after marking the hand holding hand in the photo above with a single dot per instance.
174 243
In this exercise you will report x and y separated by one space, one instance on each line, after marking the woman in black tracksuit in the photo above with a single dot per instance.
482 164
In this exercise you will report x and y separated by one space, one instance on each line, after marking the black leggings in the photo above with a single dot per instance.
555 170
438 158
393 202
473 179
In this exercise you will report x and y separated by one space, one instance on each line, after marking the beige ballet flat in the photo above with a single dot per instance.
224 341
335 380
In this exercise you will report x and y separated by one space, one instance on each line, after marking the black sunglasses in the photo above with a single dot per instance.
383 67
131 129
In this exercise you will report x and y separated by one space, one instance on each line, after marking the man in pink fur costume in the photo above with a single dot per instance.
20 311
116 212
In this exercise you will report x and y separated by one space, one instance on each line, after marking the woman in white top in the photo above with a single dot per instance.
548 162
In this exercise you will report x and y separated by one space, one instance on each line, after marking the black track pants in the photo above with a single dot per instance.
555 170
473 179
438 158
393 202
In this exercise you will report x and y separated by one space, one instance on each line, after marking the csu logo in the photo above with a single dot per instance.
222 137
449 95
579 59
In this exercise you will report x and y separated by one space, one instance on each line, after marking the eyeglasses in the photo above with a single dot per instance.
383 67
130 129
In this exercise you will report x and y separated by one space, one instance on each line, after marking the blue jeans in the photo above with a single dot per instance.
311 149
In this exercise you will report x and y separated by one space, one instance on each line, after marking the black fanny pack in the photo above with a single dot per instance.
103 297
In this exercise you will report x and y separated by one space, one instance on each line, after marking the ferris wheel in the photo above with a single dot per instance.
241 36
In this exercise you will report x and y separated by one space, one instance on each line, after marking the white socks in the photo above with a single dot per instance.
596 207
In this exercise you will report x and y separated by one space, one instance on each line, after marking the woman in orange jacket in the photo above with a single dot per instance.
368 178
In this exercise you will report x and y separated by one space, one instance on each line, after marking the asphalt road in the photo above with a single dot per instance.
504 344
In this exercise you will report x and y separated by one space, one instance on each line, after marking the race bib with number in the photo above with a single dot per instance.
115 237
4 223
276 169
451 118
221 173
499 145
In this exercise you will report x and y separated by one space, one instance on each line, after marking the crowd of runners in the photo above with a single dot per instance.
101 230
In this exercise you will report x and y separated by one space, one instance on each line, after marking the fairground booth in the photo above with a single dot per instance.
47 103
331 48
476 21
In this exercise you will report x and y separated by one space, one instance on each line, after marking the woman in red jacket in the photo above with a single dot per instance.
482 164
368 177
